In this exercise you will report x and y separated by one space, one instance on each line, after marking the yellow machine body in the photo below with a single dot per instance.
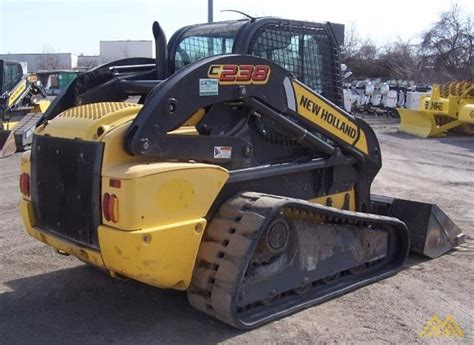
16 92
450 106
161 205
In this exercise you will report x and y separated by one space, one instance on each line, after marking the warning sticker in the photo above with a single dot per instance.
208 87
223 152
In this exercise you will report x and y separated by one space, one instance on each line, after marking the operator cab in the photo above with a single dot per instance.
10 74
309 51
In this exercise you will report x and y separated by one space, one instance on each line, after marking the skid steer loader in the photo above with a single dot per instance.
22 100
449 108
237 176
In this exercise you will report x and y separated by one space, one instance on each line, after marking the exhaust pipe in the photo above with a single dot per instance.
161 52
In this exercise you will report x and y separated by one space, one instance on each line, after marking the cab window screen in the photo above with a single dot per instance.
12 75
206 40
194 48
306 52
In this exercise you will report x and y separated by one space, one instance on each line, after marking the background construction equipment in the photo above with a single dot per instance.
22 100
450 107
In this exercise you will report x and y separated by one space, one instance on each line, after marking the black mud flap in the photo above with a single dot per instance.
432 232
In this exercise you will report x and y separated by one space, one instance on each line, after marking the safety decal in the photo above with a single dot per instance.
208 87
223 152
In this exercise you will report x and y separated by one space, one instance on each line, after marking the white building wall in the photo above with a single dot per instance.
115 50
50 61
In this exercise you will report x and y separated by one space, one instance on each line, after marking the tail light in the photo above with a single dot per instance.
110 207
25 184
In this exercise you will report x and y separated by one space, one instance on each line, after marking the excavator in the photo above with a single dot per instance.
22 100
225 167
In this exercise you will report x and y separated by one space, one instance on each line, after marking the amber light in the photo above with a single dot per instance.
110 207
25 184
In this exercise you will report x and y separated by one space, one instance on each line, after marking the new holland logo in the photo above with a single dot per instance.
438 328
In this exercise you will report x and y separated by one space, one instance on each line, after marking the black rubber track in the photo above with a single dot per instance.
230 242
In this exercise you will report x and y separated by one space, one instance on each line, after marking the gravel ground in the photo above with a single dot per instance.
46 298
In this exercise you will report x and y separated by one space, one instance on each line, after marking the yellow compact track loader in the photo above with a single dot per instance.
237 176
451 106
22 100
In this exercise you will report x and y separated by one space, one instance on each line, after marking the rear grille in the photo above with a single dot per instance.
65 191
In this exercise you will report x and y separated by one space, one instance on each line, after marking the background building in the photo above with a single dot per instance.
47 61
109 51
115 50
85 62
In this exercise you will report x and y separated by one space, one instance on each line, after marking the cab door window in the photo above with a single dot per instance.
11 76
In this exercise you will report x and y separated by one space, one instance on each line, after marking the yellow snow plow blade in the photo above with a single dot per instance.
423 124
451 106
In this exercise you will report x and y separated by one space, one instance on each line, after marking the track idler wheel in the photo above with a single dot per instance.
277 235
273 244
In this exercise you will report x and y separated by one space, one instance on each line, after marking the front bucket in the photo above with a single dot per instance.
432 232
419 123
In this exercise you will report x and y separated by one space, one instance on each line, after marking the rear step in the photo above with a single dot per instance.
264 257
432 232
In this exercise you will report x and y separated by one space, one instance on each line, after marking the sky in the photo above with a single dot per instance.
78 26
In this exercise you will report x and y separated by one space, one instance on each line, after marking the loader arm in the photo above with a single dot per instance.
313 121
113 81
17 94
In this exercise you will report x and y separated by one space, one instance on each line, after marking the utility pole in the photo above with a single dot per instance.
210 11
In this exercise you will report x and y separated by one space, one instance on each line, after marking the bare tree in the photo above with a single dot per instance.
49 60
367 50
88 63
401 61
448 46
351 42
124 50
361 56
445 53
